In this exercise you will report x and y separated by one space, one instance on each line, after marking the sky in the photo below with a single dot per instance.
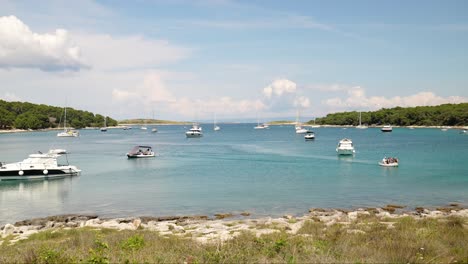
236 60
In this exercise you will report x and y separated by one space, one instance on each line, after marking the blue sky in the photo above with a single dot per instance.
191 59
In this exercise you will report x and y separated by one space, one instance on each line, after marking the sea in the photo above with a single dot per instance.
237 169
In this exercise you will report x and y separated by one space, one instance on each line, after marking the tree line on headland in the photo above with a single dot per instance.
24 115
440 115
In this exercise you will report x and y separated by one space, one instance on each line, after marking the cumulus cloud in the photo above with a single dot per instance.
279 87
302 102
22 48
154 93
357 98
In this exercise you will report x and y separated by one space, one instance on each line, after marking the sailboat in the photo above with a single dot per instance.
298 127
215 127
143 127
154 129
104 128
314 125
360 124
261 126
67 132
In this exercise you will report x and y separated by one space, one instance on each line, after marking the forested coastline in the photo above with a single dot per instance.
24 115
440 115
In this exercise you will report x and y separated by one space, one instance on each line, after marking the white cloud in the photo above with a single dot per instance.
11 97
357 99
127 52
279 87
154 93
22 48
302 102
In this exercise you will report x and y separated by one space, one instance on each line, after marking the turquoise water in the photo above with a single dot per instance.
266 172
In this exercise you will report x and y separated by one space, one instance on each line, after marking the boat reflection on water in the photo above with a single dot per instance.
44 197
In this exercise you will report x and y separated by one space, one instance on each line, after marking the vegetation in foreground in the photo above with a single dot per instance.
441 115
23 115
367 240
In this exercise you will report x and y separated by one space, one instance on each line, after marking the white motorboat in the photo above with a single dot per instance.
141 152
389 162
361 126
464 131
154 130
194 132
143 128
309 135
215 126
444 129
66 131
36 166
345 147
387 128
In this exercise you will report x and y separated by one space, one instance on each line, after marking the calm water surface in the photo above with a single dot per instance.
266 172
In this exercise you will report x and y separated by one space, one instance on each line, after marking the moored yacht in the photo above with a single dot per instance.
386 128
194 132
361 126
345 147
36 166
66 131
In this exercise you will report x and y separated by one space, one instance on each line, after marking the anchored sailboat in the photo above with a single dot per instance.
66 131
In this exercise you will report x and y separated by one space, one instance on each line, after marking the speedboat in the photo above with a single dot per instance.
309 135
216 128
141 152
194 132
103 129
386 128
36 166
154 130
389 162
345 147
262 126
143 128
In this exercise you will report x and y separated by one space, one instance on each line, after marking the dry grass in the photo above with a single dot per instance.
409 241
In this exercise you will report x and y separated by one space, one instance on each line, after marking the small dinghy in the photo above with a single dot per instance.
389 162
141 152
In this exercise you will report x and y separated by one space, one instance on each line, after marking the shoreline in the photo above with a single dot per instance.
7 131
224 226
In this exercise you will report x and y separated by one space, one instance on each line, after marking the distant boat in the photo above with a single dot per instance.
194 132
154 130
444 129
345 147
360 126
298 126
314 125
261 126
141 152
57 151
67 132
309 135
143 128
104 128
389 162
387 128
215 127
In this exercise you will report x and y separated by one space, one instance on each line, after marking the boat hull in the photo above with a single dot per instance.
13 175
388 165
345 151
193 135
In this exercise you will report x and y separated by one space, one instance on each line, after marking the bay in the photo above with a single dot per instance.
265 172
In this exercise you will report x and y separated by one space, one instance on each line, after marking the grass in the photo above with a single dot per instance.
409 241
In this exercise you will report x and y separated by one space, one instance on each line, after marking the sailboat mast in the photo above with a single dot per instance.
65 120
359 118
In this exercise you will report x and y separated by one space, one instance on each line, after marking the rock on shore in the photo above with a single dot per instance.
204 229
